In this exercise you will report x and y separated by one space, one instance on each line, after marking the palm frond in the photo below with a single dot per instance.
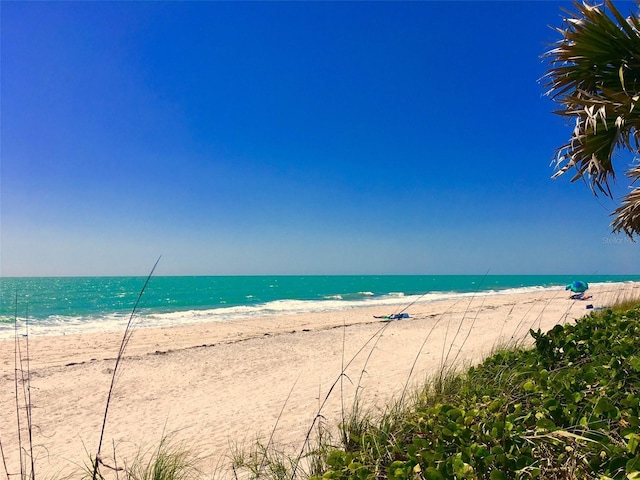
594 76
627 216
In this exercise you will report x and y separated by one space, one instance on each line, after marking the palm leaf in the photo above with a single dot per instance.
627 216
594 76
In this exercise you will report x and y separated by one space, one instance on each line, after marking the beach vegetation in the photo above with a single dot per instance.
594 77
567 408
169 461
23 404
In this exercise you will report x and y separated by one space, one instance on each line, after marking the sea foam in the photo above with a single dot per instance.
68 325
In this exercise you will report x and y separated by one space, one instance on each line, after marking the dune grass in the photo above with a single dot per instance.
168 462
567 408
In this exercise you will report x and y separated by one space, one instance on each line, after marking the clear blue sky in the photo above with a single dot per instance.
289 138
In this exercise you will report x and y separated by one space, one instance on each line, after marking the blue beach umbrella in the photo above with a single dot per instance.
577 287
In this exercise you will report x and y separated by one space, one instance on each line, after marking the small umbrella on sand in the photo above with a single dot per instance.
577 286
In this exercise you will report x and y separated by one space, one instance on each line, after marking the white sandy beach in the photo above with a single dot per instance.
216 385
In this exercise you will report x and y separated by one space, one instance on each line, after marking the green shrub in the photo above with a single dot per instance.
567 408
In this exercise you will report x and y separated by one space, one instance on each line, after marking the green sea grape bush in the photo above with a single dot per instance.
569 408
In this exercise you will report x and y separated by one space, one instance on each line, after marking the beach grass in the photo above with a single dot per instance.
567 408
169 461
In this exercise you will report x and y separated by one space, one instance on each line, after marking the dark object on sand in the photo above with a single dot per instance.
580 296
395 316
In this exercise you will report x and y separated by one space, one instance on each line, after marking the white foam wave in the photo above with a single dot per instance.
64 325
61 325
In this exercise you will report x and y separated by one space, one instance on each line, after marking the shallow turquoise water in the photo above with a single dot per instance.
60 301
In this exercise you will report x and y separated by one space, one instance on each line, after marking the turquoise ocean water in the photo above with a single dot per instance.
60 305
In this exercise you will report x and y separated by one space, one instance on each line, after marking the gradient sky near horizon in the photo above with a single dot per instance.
290 138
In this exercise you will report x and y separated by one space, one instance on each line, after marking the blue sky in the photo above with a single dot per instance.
289 138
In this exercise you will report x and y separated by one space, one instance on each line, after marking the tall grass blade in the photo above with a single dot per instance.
4 461
17 361
328 395
128 332
273 431
26 386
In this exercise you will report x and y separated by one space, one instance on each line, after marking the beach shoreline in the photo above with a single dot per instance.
213 385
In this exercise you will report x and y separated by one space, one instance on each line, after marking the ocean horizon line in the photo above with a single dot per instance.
218 275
